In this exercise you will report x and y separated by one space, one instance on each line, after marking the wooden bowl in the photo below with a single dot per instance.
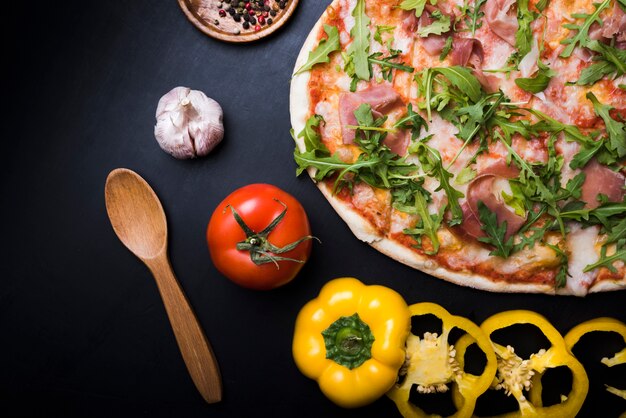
205 13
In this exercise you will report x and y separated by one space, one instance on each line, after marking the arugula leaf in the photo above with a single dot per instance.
388 65
321 54
595 72
433 166
466 175
359 48
461 78
417 5
604 261
378 35
586 153
428 223
616 130
440 25
524 34
473 15
609 62
582 35
539 82
516 199
495 232
310 135
413 121
447 47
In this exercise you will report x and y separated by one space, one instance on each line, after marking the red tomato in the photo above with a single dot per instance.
258 205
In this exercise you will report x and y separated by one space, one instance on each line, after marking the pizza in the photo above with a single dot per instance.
482 142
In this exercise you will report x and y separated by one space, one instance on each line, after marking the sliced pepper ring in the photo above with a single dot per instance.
432 364
516 375
603 324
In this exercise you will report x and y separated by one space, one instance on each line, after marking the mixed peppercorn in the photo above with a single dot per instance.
251 14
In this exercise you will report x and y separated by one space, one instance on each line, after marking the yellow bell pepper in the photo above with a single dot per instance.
516 375
603 324
350 339
433 364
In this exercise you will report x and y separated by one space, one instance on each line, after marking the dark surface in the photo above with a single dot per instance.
83 330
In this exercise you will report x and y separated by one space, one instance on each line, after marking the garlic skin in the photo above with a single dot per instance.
189 124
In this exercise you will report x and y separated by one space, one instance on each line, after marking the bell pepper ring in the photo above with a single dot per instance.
603 324
351 340
433 364
516 375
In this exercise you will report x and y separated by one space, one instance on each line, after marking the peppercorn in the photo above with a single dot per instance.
246 17
270 21
246 25
237 17
252 20
273 13
261 20
282 5
231 11
257 28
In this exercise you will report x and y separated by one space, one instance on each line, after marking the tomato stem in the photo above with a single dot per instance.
257 244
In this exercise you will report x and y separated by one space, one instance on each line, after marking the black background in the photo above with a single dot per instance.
82 329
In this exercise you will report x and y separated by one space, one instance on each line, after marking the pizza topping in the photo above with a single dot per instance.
350 339
467 51
380 97
321 54
601 180
502 19
485 190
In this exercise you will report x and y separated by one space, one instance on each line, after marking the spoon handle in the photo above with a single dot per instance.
193 344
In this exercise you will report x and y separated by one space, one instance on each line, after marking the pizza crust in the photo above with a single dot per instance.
366 232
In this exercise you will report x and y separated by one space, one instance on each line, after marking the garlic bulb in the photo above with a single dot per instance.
189 124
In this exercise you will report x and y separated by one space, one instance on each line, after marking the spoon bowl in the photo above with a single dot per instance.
139 221
136 213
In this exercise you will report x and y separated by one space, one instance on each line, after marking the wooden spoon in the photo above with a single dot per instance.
139 221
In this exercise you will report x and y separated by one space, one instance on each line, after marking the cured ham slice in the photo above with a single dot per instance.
601 180
467 51
502 19
382 98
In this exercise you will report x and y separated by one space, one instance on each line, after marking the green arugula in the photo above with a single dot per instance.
413 121
433 167
539 82
440 25
447 47
359 48
378 35
610 62
524 34
428 223
582 31
457 77
473 15
495 232
615 130
417 5
607 261
321 54
387 65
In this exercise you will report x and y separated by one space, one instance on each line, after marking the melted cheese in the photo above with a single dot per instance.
581 245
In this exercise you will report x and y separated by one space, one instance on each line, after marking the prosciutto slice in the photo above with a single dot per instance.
601 180
433 44
482 189
467 51
502 19
382 98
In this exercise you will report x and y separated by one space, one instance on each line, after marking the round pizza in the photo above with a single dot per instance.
480 141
